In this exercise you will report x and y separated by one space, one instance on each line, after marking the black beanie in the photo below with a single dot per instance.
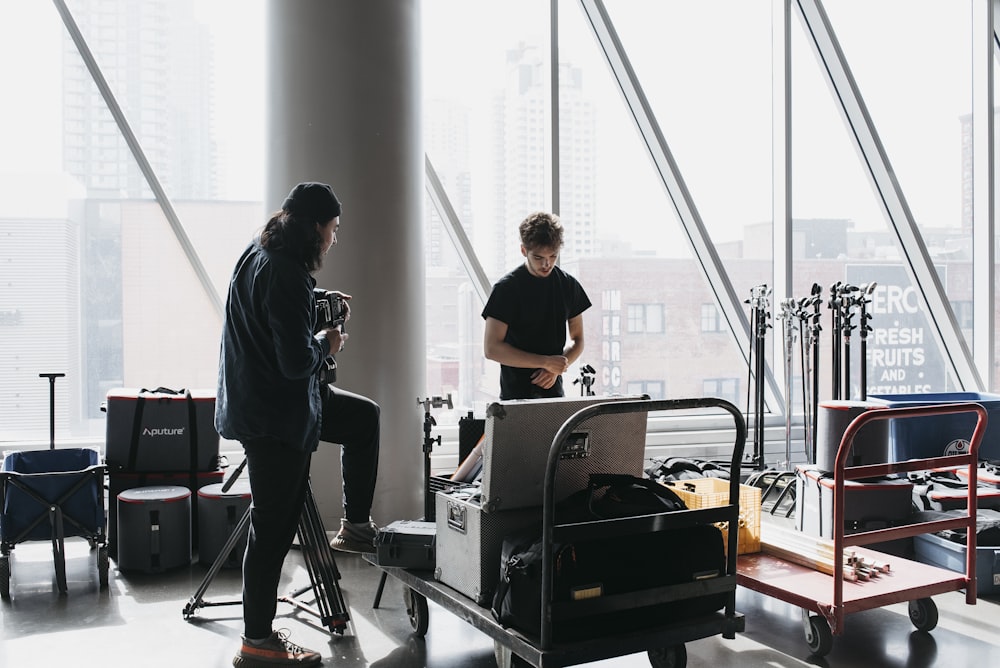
312 201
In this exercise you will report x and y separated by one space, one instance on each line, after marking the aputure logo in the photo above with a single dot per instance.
175 431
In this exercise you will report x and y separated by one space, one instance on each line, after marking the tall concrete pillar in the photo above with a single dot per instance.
344 107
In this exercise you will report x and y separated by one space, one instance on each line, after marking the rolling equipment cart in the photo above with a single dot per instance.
663 641
823 598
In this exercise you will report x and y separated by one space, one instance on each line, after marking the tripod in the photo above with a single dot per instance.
329 606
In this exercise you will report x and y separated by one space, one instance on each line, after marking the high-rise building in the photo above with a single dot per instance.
155 57
522 127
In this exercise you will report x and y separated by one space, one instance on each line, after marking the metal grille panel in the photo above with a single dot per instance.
519 435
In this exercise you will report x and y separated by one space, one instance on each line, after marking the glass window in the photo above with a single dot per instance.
711 320
722 388
919 100
645 318
123 306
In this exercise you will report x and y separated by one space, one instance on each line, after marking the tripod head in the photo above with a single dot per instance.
586 380
435 402
429 421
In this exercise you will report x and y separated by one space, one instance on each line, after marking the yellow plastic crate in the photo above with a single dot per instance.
714 492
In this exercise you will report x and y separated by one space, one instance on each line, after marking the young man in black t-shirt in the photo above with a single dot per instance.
529 312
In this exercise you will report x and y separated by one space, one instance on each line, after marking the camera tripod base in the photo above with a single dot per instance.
328 600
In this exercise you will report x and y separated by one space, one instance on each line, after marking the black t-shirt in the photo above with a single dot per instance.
535 311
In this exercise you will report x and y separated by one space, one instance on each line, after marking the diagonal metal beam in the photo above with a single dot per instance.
453 226
985 16
781 169
917 261
669 174
139 155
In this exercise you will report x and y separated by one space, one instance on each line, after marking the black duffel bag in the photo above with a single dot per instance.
609 566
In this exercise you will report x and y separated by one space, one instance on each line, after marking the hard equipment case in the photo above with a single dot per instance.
161 430
408 544
519 433
469 542
118 482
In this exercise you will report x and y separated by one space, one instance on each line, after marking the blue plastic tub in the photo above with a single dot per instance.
937 551
940 435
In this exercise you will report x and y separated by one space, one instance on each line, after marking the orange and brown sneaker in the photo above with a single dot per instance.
275 651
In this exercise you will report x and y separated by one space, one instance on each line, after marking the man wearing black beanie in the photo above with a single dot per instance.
272 399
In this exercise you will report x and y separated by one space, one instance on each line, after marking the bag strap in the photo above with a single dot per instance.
598 480
192 440
133 449
133 446
610 480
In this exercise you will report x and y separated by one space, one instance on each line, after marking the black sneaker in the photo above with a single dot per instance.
275 651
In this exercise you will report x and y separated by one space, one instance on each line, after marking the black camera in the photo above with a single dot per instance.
331 311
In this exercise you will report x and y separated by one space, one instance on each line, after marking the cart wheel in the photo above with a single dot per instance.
668 657
5 577
416 610
507 659
923 614
819 637
102 566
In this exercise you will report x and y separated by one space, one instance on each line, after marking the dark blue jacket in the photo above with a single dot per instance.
269 358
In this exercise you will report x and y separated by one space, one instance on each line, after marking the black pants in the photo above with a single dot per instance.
279 478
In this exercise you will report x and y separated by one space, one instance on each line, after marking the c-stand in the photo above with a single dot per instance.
428 447
759 318
864 300
316 552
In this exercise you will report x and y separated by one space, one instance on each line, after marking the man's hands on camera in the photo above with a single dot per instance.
346 303
334 310
336 336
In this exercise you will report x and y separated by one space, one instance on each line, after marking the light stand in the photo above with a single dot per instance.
586 380
864 299
835 347
815 329
760 315
809 325
428 447
847 303
788 312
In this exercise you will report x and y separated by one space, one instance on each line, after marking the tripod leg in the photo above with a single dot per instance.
196 600
322 568
381 588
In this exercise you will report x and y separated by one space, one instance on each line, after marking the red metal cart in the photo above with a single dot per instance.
827 599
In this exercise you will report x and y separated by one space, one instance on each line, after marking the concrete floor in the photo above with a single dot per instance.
138 621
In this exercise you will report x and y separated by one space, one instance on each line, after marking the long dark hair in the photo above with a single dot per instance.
295 236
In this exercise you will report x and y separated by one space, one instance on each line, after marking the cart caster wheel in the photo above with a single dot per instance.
923 614
102 566
416 610
668 657
507 659
819 637
5 578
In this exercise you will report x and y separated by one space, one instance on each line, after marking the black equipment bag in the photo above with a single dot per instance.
610 566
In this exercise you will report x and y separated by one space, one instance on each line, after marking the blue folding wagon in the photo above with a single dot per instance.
52 495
